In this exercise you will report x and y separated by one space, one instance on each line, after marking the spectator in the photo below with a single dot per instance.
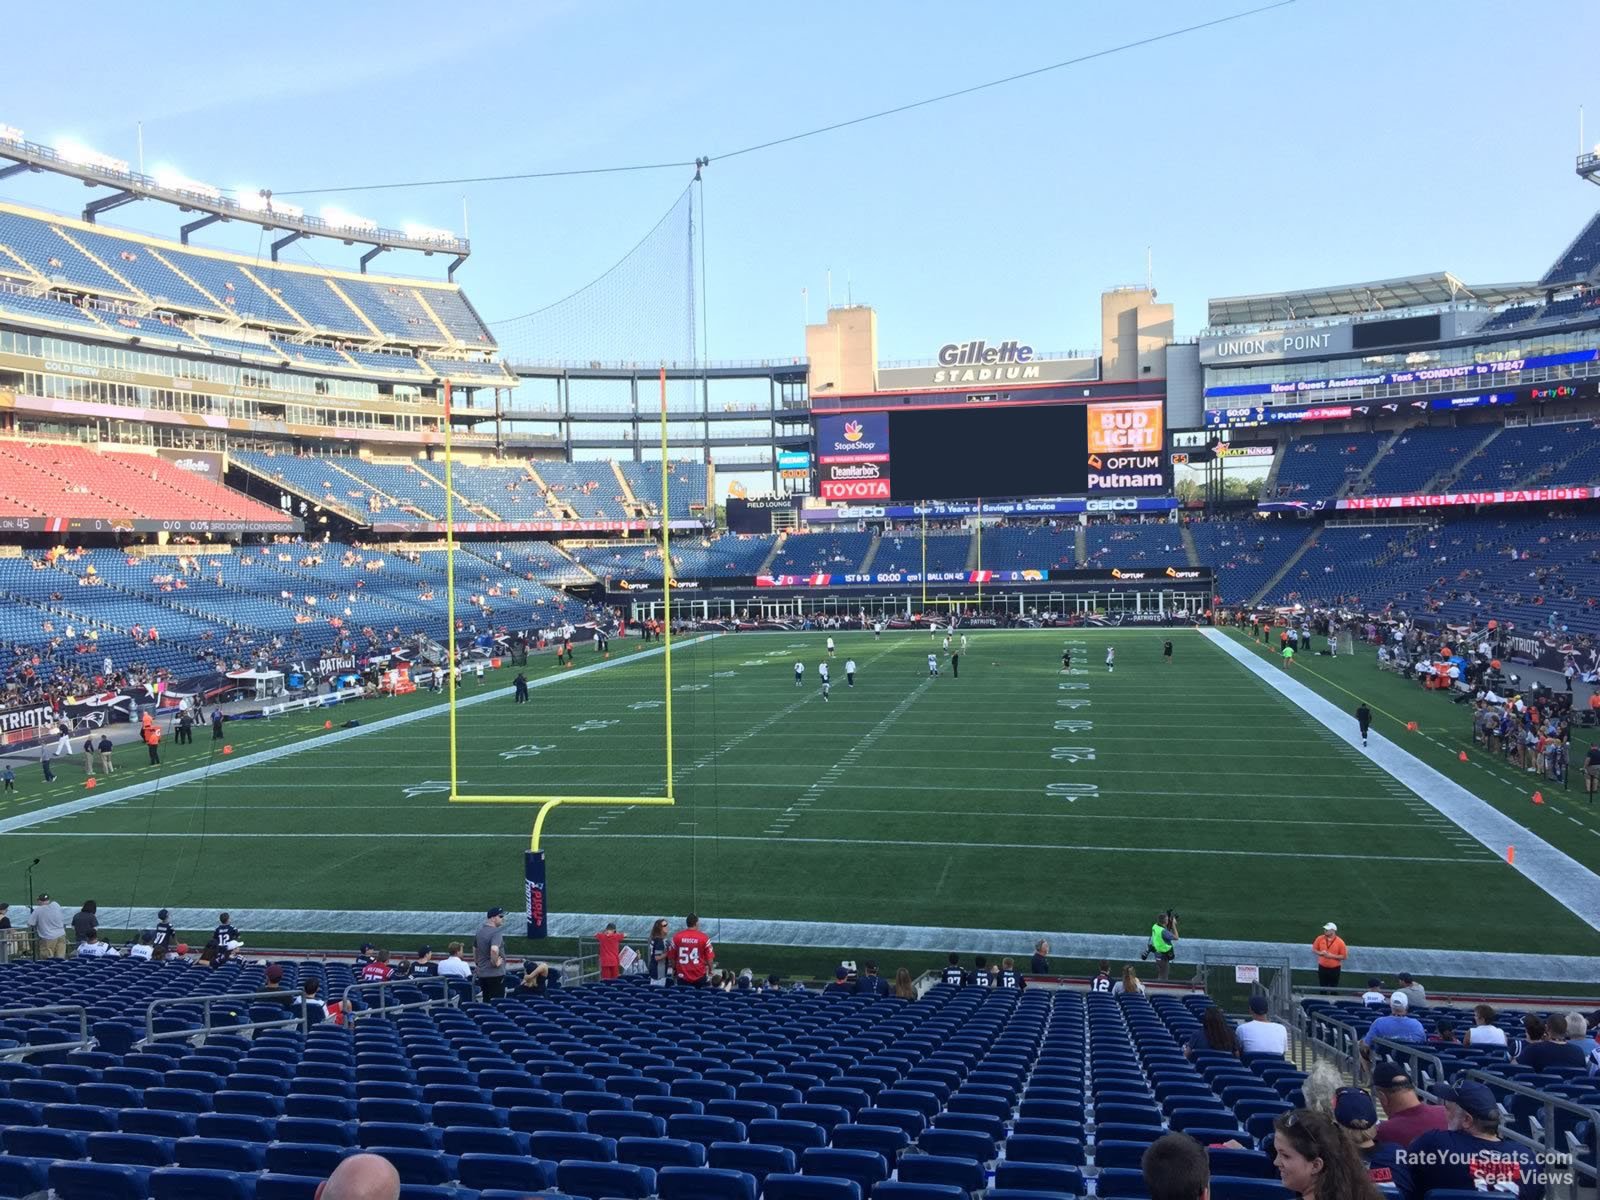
423 966
454 966
1129 984
1468 1155
1375 996
871 983
49 925
281 995
1215 1033
1315 1161
1578 1035
310 1006
1041 958
904 989
535 977
1532 1031
143 949
1554 1050
610 942
1261 1034
1484 1032
1398 1025
378 970
361 1177
1416 994
489 955
225 934
841 985
657 965
1175 1167
5 916
1320 1086
1408 1117
105 747
364 956
692 954
1357 1115
1331 953
164 934
85 922
1444 1030
93 947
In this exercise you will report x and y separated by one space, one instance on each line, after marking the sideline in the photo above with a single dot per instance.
40 816
1116 948
1563 878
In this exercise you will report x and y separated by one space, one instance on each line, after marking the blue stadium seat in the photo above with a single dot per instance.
705 1129
605 1180
178 1183
94 1181
399 1134
887 1140
87 1118
418 1166
517 1172
305 1158
1026 1147
704 1183
1119 1181
755 1159
967 1174
809 1187
38 1141
1240 1164
626 1124
957 1143
864 1167
271 1186
240 1103
1044 1177
584 1147
316 1130
219 1154
1234 1188
21 1176
895 1189
658 1152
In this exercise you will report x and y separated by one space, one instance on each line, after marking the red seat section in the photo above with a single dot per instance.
54 479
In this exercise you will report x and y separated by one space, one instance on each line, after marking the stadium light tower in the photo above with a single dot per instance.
1589 165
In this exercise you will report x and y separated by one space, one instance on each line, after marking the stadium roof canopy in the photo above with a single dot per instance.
1411 291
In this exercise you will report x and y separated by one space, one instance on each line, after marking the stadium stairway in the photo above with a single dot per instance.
1358 485
1081 546
872 553
629 497
1446 478
1269 485
1282 572
1190 550
472 506
147 306
355 308
388 500
975 553
772 555
444 330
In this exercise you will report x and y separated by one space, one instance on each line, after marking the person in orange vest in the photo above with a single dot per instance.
152 740
1331 953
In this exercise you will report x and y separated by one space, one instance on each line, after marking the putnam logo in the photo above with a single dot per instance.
853 431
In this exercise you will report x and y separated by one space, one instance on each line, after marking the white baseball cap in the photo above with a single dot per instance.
1330 927
1399 1000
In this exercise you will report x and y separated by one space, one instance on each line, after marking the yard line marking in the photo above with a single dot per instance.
1476 964
1556 873
227 766
1491 860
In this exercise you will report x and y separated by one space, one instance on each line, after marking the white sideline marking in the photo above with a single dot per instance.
1562 877
40 816
1471 964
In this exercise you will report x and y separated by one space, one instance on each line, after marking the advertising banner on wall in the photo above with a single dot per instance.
853 457
1125 440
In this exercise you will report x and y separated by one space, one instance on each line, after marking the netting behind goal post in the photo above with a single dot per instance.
640 311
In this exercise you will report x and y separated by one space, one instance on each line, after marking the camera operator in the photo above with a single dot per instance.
1163 942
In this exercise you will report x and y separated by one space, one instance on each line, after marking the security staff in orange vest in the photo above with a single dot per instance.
1331 953
152 739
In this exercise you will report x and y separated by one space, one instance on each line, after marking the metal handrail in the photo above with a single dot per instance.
1547 1123
447 996
23 1051
205 1002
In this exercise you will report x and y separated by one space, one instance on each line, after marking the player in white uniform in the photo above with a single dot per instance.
850 672
799 673
963 643
827 686
1111 659
830 647
933 664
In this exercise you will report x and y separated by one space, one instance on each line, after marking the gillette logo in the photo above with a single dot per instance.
981 354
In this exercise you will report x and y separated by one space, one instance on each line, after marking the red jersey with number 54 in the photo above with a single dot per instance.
691 955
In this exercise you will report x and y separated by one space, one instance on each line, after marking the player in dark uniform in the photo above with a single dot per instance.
1166 651
1591 770
953 972
1011 978
1364 719
1066 659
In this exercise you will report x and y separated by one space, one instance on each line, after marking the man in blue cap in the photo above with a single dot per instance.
1469 1155
1356 1113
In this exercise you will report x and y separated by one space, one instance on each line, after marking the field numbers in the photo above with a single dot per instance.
1072 754
723 674
1072 704
691 687
588 726
428 787
529 751
1075 725
641 705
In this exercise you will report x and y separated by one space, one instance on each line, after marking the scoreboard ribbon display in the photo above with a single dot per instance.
853 457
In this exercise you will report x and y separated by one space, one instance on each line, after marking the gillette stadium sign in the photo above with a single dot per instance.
980 362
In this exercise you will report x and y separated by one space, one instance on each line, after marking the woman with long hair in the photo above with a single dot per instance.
1316 1161
1215 1034
903 990
1129 984
656 960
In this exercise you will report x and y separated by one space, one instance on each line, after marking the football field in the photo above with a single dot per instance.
1016 796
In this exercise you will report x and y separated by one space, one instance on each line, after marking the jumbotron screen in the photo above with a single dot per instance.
967 453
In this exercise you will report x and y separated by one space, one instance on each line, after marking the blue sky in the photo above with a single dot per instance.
1327 142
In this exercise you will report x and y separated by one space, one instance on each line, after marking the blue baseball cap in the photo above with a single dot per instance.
1472 1098
1354 1109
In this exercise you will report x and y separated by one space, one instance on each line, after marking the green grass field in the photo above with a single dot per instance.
1014 797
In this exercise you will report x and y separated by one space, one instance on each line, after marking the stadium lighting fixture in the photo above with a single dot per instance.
175 180
341 219
10 133
426 233
257 201
84 156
